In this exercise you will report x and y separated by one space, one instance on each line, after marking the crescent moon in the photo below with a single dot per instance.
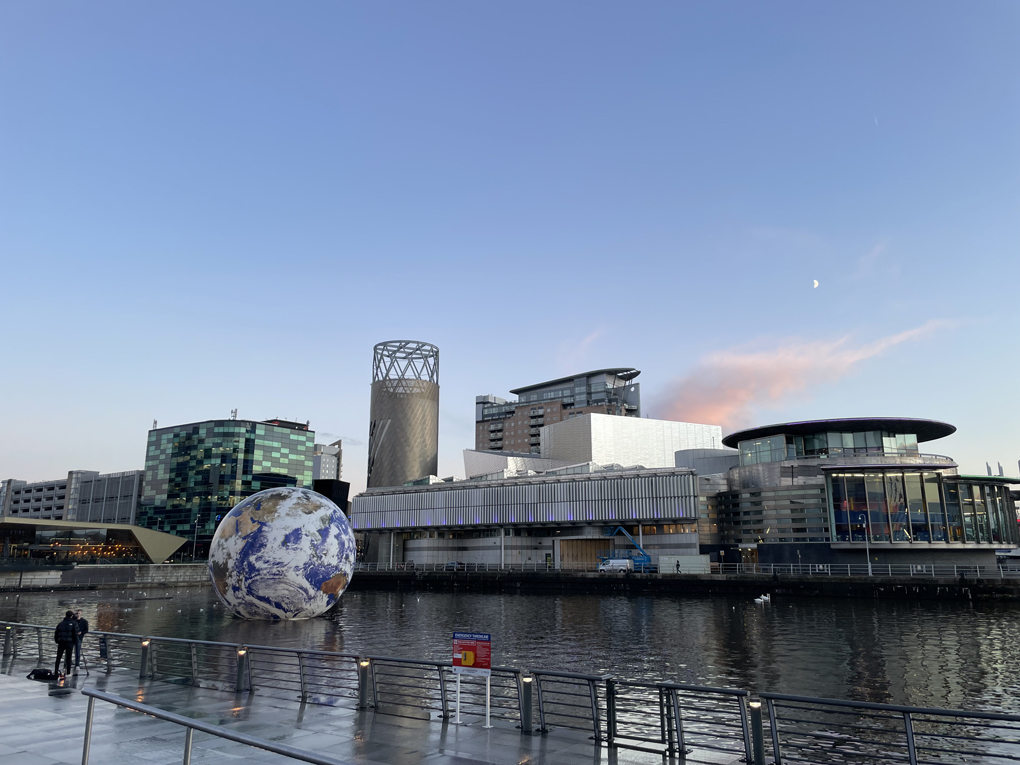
816 284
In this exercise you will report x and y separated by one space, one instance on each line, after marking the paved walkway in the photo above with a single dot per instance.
42 724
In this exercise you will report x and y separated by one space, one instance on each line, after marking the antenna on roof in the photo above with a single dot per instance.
233 414
153 424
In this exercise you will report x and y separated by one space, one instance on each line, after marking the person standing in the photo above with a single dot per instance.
83 630
65 636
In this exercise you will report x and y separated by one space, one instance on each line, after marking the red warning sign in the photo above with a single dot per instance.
472 653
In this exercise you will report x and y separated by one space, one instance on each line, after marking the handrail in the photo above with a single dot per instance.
892 707
192 725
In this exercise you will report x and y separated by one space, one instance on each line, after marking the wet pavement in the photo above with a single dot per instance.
44 723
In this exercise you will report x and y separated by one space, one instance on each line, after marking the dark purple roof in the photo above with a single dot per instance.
925 430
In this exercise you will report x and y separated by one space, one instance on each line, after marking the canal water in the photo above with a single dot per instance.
922 653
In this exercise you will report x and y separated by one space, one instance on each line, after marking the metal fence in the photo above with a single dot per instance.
883 570
810 730
690 722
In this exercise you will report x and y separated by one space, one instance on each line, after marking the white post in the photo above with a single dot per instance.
458 698
391 551
488 678
502 547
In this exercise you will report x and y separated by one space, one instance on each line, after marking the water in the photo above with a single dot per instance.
945 654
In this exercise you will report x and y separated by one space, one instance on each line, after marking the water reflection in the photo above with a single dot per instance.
920 653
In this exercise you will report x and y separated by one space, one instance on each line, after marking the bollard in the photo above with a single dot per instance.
526 683
757 737
143 665
363 683
8 641
242 666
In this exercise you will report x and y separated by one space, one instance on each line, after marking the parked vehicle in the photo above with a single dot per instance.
454 565
612 565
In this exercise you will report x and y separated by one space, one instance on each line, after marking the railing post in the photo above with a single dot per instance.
375 686
301 676
242 667
88 731
194 664
541 705
8 641
757 736
442 690
748 754
188 736
594 695
610 711
774 724
363 683
38 638
908 726
524 688
143 664
678 722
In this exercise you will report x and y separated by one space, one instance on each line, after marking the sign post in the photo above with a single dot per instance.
472 655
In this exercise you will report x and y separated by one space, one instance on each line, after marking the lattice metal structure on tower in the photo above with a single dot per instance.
403 435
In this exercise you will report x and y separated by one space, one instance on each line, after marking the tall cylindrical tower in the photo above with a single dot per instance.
403 436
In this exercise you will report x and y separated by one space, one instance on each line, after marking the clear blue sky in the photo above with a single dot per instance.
207 206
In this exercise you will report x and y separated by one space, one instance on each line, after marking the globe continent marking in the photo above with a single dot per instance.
282 554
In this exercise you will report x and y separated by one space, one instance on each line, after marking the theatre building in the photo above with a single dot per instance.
837 491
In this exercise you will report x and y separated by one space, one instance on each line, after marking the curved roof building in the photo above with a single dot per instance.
838 490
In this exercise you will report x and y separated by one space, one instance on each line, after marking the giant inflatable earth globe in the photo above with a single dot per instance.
282 554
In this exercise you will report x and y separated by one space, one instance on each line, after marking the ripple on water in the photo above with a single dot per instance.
920 653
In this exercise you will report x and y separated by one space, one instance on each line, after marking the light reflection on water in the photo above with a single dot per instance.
920 653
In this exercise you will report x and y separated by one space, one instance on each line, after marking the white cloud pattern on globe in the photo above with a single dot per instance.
282 554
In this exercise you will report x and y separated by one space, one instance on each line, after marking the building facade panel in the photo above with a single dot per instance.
197 472
602 497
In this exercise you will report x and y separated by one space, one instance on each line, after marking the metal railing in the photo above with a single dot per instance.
191 725
805 729
692 722
882 570
569 700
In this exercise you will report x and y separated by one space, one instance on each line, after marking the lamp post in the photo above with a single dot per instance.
194 542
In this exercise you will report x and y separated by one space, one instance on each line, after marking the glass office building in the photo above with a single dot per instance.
824 490
195 473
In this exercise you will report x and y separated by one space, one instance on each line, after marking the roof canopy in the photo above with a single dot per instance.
624 373
925 430
157 545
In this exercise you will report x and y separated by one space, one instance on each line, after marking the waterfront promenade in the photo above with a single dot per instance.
43 724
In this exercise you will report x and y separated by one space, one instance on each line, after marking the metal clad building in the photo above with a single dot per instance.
403 436
609 497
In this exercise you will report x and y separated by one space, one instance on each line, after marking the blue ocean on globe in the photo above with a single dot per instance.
282 554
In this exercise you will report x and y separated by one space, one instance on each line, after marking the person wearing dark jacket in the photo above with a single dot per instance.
65 636
83 630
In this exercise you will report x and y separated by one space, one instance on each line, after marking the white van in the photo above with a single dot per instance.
616 564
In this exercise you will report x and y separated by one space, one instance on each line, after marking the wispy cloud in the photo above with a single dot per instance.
573 354
726 386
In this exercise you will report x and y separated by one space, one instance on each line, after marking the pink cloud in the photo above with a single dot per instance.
726 386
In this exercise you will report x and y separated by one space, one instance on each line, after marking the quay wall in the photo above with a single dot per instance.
746 585
105 577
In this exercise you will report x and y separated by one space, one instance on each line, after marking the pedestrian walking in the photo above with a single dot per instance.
678 567
83 630
65 636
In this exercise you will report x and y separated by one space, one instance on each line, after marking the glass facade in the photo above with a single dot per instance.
195 473
919 506
787 514
781 447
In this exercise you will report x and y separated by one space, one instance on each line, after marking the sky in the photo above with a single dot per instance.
216 206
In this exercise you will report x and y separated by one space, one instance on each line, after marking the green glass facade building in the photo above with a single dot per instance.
195 473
